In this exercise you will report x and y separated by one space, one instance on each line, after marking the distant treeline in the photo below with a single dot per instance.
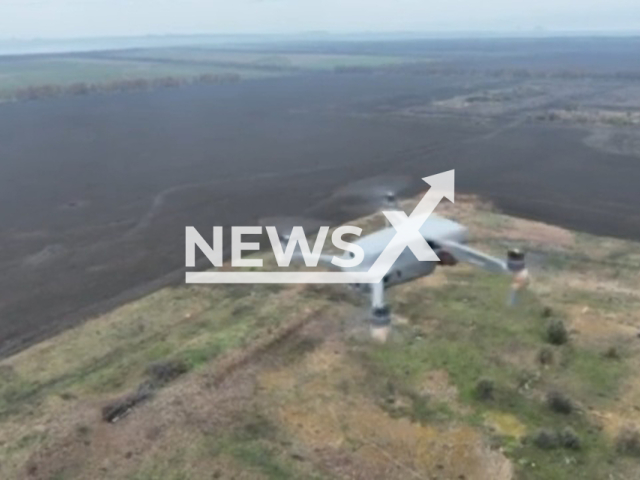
428 68
37 92
273 63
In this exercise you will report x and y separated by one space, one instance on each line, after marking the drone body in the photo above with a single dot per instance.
435 230
448 240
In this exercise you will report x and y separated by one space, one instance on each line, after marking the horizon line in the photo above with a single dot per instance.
426 34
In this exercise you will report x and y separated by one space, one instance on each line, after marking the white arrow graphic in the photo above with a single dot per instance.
408 228
407 236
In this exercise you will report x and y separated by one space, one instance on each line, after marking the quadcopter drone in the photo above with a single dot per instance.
447 238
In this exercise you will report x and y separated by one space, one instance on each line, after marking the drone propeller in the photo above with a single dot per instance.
370 195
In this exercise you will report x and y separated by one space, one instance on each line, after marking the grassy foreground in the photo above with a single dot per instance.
283 382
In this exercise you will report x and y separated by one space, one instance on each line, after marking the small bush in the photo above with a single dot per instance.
612 353
628 442
570 439
545 439
164 372
557 332
485 389
545 356
549 439
559 402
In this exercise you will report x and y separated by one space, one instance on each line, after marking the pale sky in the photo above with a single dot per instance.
90 18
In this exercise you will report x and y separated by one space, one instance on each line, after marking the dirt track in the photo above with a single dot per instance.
95 192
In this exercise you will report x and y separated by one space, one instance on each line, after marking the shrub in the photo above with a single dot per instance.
612 353
557 332
559 402
545 439
164 372
549 439
485 389
570 439
545 356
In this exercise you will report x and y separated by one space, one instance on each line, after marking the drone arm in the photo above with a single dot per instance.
463 253
515 265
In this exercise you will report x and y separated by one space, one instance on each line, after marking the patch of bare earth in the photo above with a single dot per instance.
437 385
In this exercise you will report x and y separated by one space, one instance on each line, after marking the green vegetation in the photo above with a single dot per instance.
114 356
557 333
489 352
461 372
253 446
265 61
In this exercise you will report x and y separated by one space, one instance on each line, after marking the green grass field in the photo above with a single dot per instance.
307 61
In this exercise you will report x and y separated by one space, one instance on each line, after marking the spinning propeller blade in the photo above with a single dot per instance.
370 195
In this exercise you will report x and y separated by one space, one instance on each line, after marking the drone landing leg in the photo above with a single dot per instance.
380 314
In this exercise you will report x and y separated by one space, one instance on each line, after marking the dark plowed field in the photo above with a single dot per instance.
95 192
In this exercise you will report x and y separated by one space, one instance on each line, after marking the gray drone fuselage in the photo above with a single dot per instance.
435 230
447 238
